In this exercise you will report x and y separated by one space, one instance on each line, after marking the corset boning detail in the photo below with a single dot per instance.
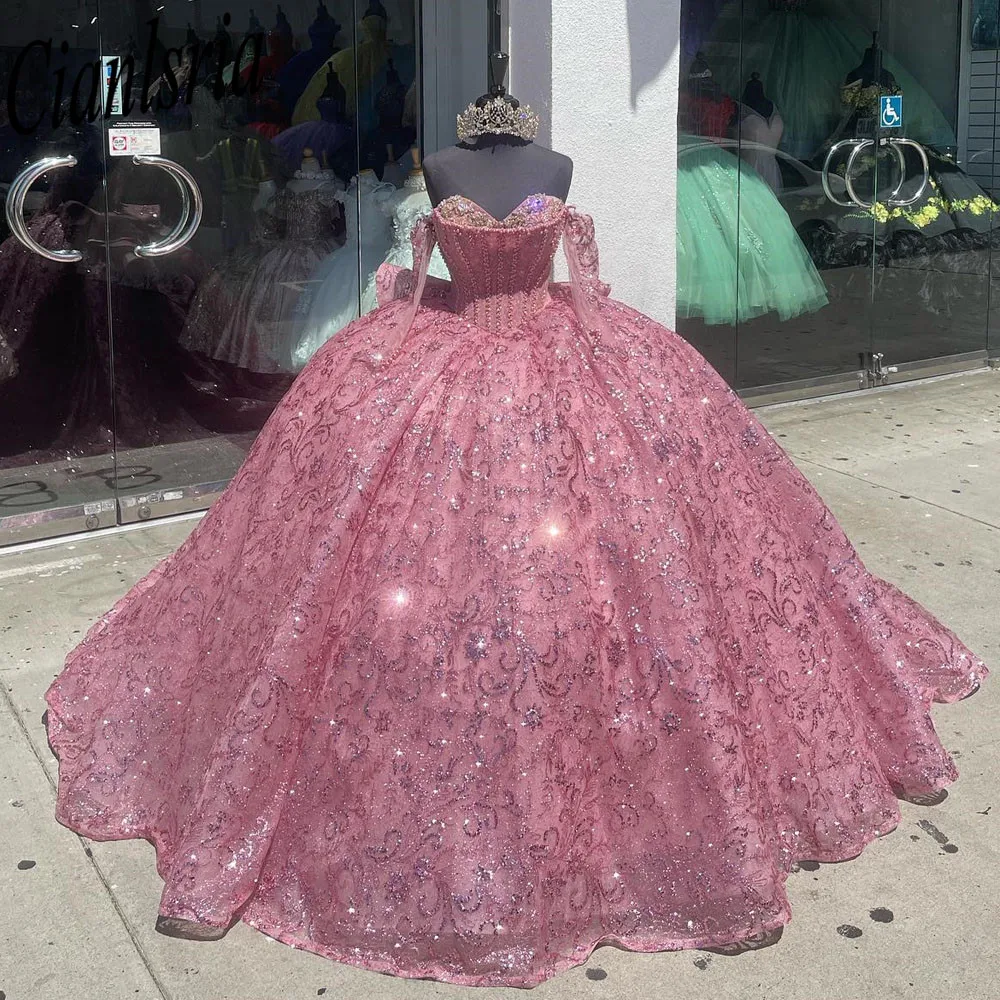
500 276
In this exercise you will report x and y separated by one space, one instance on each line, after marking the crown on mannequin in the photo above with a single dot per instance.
499 115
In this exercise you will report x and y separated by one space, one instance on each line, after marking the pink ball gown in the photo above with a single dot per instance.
515 634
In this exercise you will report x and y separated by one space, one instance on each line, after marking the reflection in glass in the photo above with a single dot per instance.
707 213
333 301
734 234
136 383
56 419
985 24
890 211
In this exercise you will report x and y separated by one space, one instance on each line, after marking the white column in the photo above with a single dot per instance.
604 74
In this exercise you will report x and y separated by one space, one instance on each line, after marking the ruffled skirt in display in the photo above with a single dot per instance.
738 254
247 313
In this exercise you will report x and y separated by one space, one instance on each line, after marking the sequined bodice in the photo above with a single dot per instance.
500 268
309 215
268 223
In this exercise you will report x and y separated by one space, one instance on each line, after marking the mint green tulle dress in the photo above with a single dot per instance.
722 204
803 59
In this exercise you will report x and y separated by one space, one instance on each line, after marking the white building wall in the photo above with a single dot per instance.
604 74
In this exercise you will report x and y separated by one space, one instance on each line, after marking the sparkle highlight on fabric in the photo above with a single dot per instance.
515 634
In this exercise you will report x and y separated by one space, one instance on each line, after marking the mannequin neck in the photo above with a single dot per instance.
374 30
491 141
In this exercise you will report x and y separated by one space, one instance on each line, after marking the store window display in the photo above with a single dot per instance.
804 51
761 128
331 299
325 37
364 71
332 138
245 313
878 240
296 211
738 254
704 108
405 208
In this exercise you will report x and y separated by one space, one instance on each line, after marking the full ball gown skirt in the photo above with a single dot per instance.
738 254
516 633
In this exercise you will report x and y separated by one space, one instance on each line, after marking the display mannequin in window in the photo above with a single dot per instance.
405 208
761 128
804 50
295 76
335 284
704 108
246 313
331 138
362 70
496 170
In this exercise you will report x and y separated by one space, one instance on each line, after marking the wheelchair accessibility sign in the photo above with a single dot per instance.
892 112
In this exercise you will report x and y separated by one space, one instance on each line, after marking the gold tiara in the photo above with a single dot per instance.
497 117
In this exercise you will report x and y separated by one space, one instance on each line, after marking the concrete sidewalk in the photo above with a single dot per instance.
912 472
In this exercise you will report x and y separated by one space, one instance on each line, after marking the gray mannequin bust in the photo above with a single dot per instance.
497 172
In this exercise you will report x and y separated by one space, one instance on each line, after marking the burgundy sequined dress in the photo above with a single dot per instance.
516 633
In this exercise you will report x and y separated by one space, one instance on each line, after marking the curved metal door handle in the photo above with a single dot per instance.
901 159
895 201
849 181
825 176
14 208
192 208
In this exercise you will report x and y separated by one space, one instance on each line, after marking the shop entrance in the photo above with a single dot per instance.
853 143
196 197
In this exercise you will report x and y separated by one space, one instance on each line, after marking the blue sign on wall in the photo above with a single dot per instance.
892 111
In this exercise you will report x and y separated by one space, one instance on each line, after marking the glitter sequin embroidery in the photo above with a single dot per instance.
515 633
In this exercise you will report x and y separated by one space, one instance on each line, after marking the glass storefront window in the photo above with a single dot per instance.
279 148
835 192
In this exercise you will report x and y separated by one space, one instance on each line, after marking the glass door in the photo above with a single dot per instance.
57 466
200 194
934 216
256 168
843 175
808 268
232 145
766 181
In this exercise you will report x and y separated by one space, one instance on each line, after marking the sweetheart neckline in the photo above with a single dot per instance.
497 222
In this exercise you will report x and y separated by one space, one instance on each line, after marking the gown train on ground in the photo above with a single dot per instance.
516 633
